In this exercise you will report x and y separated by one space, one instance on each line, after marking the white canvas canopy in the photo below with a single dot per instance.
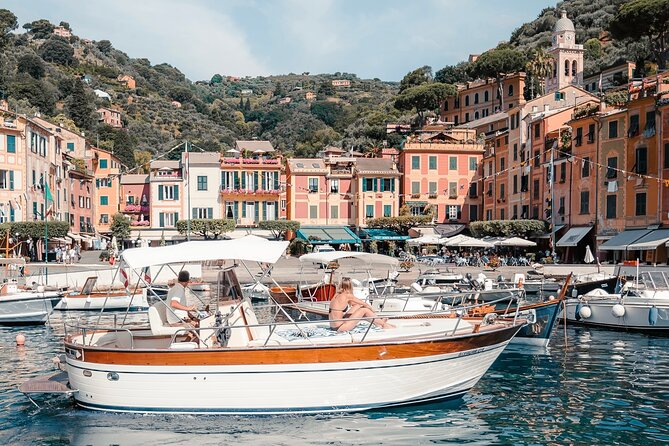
249 248
514 241
466 241
432 239
331 256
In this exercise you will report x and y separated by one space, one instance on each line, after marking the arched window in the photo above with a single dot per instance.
486 96
574 68
466 100
476 115
446 105
555 67
510 90
476 98
566 68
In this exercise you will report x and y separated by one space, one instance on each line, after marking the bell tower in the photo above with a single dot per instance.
567 56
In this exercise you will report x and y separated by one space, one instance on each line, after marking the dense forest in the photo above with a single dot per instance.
56 77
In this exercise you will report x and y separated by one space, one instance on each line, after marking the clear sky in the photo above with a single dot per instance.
372 38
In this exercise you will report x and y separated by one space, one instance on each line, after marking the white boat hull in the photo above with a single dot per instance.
30 309
271 389
636 317
97 302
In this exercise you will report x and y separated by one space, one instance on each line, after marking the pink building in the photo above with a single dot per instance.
135 199
440 174
81 200
110 117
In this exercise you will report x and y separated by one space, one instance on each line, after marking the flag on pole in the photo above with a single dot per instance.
48 198
601 86
125 278
147 275
186 164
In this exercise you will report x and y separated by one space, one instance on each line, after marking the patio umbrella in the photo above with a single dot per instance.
589 258
232 151
471 242
454 241
426 240
515 241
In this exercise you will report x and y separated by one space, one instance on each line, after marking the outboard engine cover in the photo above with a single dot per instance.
222 334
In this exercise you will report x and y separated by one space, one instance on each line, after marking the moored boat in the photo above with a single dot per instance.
21 306
237 365
88 299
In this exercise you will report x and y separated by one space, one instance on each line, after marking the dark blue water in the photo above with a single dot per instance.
604 387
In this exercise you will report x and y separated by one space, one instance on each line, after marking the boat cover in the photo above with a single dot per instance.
331 256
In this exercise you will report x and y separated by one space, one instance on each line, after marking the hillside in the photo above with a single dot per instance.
56 76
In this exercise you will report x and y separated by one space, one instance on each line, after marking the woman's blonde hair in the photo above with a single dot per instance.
346 286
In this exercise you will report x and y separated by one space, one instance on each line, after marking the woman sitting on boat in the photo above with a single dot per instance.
345 305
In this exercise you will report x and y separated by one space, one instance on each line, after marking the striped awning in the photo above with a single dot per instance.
650 241
621 241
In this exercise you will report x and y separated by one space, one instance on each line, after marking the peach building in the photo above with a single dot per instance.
81 200
493 194
438 171
481 98
166 193
110 117
128 81
307 191
13 197
136 199
106 169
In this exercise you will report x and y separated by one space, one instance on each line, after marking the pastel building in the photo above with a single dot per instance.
106 169
166 194
438 171
13 196
136 200
81 200
567 56
202 184
110 117
375 190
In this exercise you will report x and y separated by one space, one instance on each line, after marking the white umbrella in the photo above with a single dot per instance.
466 241
232 151
426 240
589 258
515 241
454 241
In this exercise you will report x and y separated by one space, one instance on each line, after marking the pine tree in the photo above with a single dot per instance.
247 106
241 103
80 106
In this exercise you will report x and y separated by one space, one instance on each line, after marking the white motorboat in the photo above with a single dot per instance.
642 305
21 306
237 365
89 299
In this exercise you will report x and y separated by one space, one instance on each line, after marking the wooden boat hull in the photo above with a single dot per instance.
307 379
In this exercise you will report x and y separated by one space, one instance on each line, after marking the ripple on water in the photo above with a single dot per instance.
556 397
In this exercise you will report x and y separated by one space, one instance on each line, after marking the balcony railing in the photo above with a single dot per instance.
140 223
237 161
135 208
228 191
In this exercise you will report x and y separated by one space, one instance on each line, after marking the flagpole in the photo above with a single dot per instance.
188 211
46 229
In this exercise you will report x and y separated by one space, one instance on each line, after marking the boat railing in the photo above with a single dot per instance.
89 335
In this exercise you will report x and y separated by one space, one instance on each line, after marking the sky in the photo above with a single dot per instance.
372 38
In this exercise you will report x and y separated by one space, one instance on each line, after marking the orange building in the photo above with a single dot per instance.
110 117
106 169
440 173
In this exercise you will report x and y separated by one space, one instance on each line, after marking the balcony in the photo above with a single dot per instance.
249 161
136 223
135 209
249 192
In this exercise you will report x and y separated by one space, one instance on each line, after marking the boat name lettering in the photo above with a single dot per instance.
471 352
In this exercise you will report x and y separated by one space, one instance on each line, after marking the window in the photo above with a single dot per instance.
415 162
486 96
611 167
334 211
535 212
515 212
666 155
104 200
313 212
510 90
103 163
432 187
432 162
11 144
537 158
488 214
561 206
501 191
566 68
574 68
578 140
537 131
473 190
283 205
7 179
476 98
168 219
591 133
476 115
369 211
650 123
453 212
70 146
415 187
369 184
453 163
613 129
473 212
585 170
168 193
535 187
640 204
501 214
466 117
501 164
334 186
201 183
634 126
611 206
387 185
473 163
203 212
387 210
641 160
515 152
104 218
467 101
585 202
524 183
452 189
515 184
313 185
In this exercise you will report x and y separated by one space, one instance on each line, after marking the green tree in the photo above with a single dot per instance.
419 76
424 97
80 106
210 229
65 25
279 228
40 29
507 228
540 66
454 74
326 89
105 46
120 227
644 18
142 161
181 94
496 63
57 50
328 112
400 224
36 229
39 93
32 65
593 49
247 105
216 79
8 23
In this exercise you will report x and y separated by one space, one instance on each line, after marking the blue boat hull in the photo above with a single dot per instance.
538 333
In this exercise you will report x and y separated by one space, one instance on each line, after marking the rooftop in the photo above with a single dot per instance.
375 165
254 146
563 23
135 178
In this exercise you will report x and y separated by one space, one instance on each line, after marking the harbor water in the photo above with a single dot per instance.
602 387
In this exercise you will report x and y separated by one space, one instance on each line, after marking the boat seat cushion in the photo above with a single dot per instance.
158 323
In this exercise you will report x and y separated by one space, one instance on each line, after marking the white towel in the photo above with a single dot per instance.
613 186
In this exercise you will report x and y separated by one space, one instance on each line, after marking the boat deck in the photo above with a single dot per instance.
54 383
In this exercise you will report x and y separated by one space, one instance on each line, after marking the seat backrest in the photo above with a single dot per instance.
155 321
161 309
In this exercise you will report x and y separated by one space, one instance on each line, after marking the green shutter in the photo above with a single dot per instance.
176 192
364 184
264 182
235 210
11 144
276 210
236 180
255 180
11 180
276 180
222 180
257 210
160 191
162 220
194 213
264 210
210 213
392 185
243 209
375 182
243 181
